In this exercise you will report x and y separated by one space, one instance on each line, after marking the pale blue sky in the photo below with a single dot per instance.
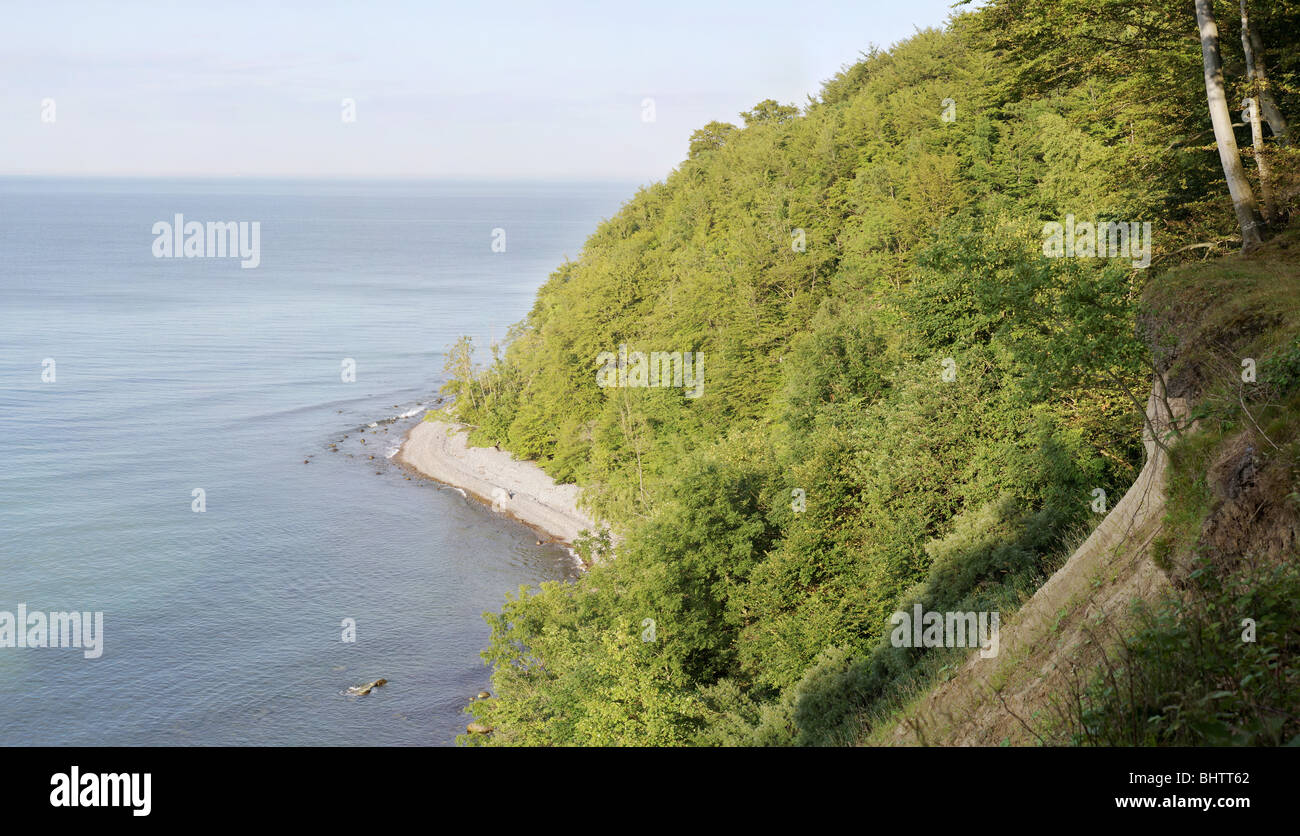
470 89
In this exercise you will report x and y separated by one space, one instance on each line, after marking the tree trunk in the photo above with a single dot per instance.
1261 161
1243 197
1253 105
1255 54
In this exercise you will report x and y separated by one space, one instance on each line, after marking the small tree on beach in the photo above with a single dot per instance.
459 366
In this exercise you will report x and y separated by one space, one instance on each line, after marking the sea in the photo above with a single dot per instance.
199 451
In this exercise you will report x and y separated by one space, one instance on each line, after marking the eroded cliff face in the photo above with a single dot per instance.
1251 513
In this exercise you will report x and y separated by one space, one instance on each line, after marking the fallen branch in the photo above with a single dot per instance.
1207 245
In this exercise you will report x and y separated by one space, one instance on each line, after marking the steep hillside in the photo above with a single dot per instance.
886 386
1234 503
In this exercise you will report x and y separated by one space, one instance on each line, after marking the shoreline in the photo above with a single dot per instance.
439 450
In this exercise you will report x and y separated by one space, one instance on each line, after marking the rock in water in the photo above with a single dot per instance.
362 690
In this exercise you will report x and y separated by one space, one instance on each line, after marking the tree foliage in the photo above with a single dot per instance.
885 342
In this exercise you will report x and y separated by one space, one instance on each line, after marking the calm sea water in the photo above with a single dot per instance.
224 627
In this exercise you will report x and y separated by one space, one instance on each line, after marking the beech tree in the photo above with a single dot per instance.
1243 197
710 138
1254 104
1253 45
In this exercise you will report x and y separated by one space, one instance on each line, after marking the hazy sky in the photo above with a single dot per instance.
549 89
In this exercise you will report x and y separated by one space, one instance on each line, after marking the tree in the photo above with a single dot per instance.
1254 48
1243 197
459 367
710 138
769 111
1257 93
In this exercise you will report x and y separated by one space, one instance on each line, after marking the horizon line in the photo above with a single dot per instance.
474 178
